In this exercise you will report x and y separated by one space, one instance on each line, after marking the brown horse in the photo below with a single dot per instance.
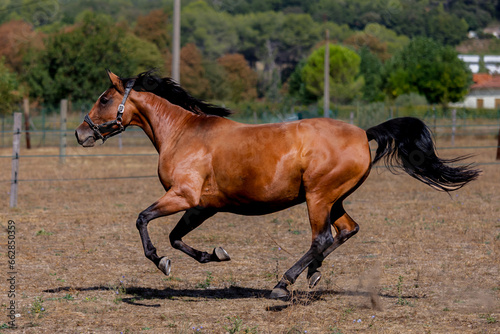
208 163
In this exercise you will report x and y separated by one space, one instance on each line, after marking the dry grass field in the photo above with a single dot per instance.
422 262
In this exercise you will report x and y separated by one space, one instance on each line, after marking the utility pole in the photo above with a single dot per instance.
26 106
326 94
176 42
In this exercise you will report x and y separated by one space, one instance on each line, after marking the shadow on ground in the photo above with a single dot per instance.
141 294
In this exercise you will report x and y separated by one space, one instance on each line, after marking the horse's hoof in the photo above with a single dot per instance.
314 279
280 293
164 265
221 254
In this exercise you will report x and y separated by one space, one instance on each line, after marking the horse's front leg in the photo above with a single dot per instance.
193 218
170 203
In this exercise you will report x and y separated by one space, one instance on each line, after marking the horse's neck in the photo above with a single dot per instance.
162 121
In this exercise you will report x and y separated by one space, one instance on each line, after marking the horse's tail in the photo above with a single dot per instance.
406 143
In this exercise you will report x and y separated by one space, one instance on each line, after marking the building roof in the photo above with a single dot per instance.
485 81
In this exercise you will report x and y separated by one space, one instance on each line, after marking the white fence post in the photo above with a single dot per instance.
16 143
453 125
62 145
120 141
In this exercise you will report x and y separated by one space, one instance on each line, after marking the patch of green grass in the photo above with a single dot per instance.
68 296
120 291
236 326
43 232
207 282
401 300
489 318
172 278
37 306
334 330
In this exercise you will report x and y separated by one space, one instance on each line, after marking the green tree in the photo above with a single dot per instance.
9 85
73 62
212 32
345 82
446 28
297 86
430 69
371 70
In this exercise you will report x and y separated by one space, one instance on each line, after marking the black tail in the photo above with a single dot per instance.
406 143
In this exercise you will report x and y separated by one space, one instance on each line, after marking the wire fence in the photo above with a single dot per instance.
44 133
45 124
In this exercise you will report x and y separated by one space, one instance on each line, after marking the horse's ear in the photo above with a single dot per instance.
115 80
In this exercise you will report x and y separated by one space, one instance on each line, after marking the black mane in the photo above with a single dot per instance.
172 92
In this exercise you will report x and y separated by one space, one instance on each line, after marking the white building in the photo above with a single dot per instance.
484 93
492 63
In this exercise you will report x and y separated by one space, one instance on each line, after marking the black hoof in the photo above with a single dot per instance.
280 293
221 254
314 279
164 265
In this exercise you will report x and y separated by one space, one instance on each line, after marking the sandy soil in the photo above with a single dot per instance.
423 261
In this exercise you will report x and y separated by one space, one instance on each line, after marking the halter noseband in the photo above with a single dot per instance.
108 126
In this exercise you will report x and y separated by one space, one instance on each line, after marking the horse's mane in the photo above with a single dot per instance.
172 92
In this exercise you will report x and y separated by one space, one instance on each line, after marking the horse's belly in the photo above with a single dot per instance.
256 199
260 208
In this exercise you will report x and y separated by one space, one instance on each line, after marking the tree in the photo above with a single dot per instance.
212 32
371 70
9 95
15 37
73 61
430 69
240 77
297 86
345 82
446 28
362 40
193 73
153 28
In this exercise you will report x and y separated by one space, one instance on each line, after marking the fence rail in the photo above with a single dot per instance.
53 133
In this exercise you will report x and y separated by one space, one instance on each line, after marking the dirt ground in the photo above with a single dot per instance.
422 262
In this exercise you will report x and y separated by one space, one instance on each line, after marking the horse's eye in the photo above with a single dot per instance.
104 100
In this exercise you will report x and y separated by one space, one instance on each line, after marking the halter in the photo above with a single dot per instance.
108 126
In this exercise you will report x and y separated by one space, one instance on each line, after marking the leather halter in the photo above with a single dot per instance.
109 126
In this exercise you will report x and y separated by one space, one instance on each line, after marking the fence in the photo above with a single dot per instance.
45 124
49 130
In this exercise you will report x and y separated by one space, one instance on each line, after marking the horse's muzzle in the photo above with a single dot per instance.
85 136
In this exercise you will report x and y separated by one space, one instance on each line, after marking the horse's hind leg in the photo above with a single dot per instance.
193 218
319 216
345 227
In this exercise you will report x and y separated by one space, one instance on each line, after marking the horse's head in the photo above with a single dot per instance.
108 116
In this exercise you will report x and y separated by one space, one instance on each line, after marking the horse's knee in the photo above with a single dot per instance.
141 221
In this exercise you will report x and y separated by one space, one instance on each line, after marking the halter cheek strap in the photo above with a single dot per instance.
110 126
